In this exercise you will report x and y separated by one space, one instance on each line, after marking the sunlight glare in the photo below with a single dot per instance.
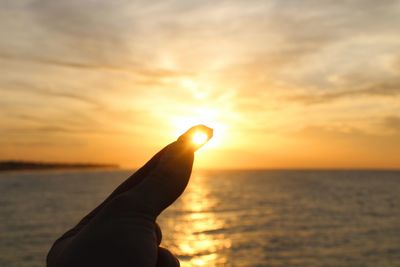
199 247
205 116
199 138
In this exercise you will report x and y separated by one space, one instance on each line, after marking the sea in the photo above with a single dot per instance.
224 218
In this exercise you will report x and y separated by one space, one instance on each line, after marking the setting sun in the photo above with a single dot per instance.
199 138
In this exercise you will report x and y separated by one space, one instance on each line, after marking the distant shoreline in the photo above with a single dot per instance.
15 165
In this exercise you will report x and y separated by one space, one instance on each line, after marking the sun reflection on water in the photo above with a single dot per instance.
198 237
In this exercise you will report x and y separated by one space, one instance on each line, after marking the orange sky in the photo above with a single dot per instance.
285 84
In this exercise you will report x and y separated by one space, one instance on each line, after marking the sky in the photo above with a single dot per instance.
285 84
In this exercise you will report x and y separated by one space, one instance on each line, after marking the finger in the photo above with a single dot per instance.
197 136
167 180
137 177
140 174
143 172
158 232
129 183
166 259
148 170
165 183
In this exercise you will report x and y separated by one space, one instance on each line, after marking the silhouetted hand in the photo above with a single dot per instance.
122 231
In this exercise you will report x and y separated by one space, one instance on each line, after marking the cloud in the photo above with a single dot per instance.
60 62
125 33
384 89
56 128
392 123
60 111
48 92
90 19
95 31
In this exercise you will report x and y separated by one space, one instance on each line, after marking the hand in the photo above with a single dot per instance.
122 231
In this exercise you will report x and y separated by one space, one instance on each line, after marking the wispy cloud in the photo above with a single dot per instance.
384 89
392 123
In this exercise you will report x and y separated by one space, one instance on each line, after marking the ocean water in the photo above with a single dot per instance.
224 218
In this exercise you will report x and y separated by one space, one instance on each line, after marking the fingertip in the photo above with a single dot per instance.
196 136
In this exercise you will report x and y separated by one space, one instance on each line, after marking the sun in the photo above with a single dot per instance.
212 117
199 138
